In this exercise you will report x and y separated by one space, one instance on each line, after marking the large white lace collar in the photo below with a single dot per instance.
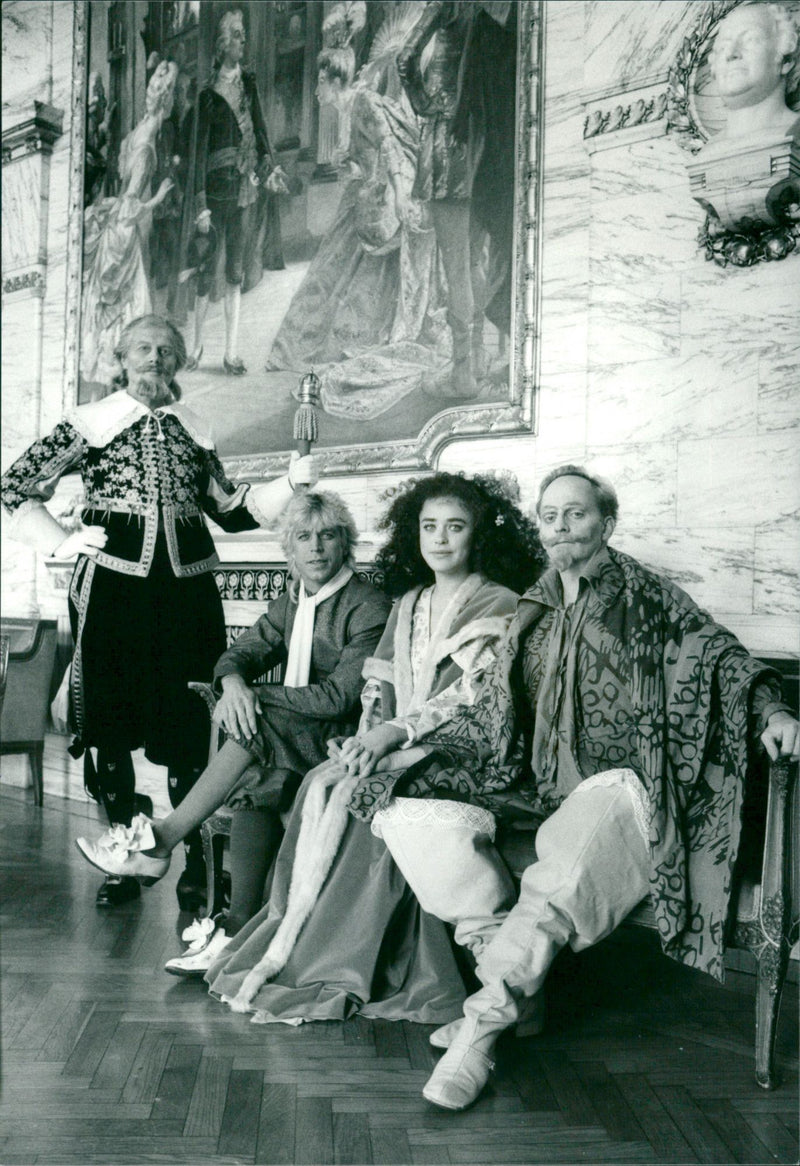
101 421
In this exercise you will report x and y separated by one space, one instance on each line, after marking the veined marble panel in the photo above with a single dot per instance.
740 308
562 404
17 579
778 389
564 25
645 478
567 188
27 38
547 456
640 237
52 375
766 634
528 458
564 333
564 122
738 481
20 380
58 202
563 90
628 42
565 259
22 238
714 565
777 568
678 397
647 167
633 320
61 53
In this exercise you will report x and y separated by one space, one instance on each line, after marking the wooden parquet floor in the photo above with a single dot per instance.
108 1060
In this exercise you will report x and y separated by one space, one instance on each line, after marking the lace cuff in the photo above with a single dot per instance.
435 812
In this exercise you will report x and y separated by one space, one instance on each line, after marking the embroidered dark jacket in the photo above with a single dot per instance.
152 473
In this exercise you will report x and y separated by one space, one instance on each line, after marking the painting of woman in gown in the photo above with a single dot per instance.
370 312
116 284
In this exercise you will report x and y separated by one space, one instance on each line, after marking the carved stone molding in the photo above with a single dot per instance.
36 133
622 118
259 583
31 282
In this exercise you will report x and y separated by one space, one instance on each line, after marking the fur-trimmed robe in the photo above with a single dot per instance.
463 646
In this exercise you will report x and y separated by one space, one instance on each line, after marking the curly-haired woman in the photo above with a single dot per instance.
341 931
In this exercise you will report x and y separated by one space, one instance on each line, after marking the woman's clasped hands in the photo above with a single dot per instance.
361 755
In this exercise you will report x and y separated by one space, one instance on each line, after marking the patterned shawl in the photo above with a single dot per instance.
691 681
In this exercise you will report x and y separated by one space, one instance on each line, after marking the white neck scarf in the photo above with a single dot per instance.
298 663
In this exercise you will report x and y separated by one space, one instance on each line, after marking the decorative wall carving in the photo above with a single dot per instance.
638 112
35 134
748 185
27 144
260 583
686 90
28 281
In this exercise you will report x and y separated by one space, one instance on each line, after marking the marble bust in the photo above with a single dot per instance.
748 176
751 59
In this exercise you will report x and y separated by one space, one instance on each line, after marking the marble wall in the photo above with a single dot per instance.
37 89
674 377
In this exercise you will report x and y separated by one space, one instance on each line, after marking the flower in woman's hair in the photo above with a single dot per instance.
500 520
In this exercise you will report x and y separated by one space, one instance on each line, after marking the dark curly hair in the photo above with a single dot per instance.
505 543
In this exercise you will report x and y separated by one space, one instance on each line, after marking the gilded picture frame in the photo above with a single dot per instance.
405 439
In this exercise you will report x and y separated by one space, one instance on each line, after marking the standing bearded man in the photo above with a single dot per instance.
145 611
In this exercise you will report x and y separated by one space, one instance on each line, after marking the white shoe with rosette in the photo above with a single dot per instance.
206 939
119 852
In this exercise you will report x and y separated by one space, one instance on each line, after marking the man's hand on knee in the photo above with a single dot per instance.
238 708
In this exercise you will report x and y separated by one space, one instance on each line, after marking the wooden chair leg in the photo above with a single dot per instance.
37 769
213 850
773 962
219 873
207 835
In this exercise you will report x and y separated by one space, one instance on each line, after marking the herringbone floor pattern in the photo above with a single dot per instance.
108 1060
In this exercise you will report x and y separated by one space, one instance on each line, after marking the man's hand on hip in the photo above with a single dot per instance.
781 738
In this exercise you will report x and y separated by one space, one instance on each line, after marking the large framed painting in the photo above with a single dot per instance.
350 189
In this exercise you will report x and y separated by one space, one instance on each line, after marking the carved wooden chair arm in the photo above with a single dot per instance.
779 906
206 692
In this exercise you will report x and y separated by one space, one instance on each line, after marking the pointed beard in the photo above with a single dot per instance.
151 389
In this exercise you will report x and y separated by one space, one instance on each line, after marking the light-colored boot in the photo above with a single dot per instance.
591 871
531 1022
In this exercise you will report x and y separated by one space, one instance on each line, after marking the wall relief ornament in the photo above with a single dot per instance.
635 113
742 127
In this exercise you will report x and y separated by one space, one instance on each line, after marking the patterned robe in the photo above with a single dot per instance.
690 686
